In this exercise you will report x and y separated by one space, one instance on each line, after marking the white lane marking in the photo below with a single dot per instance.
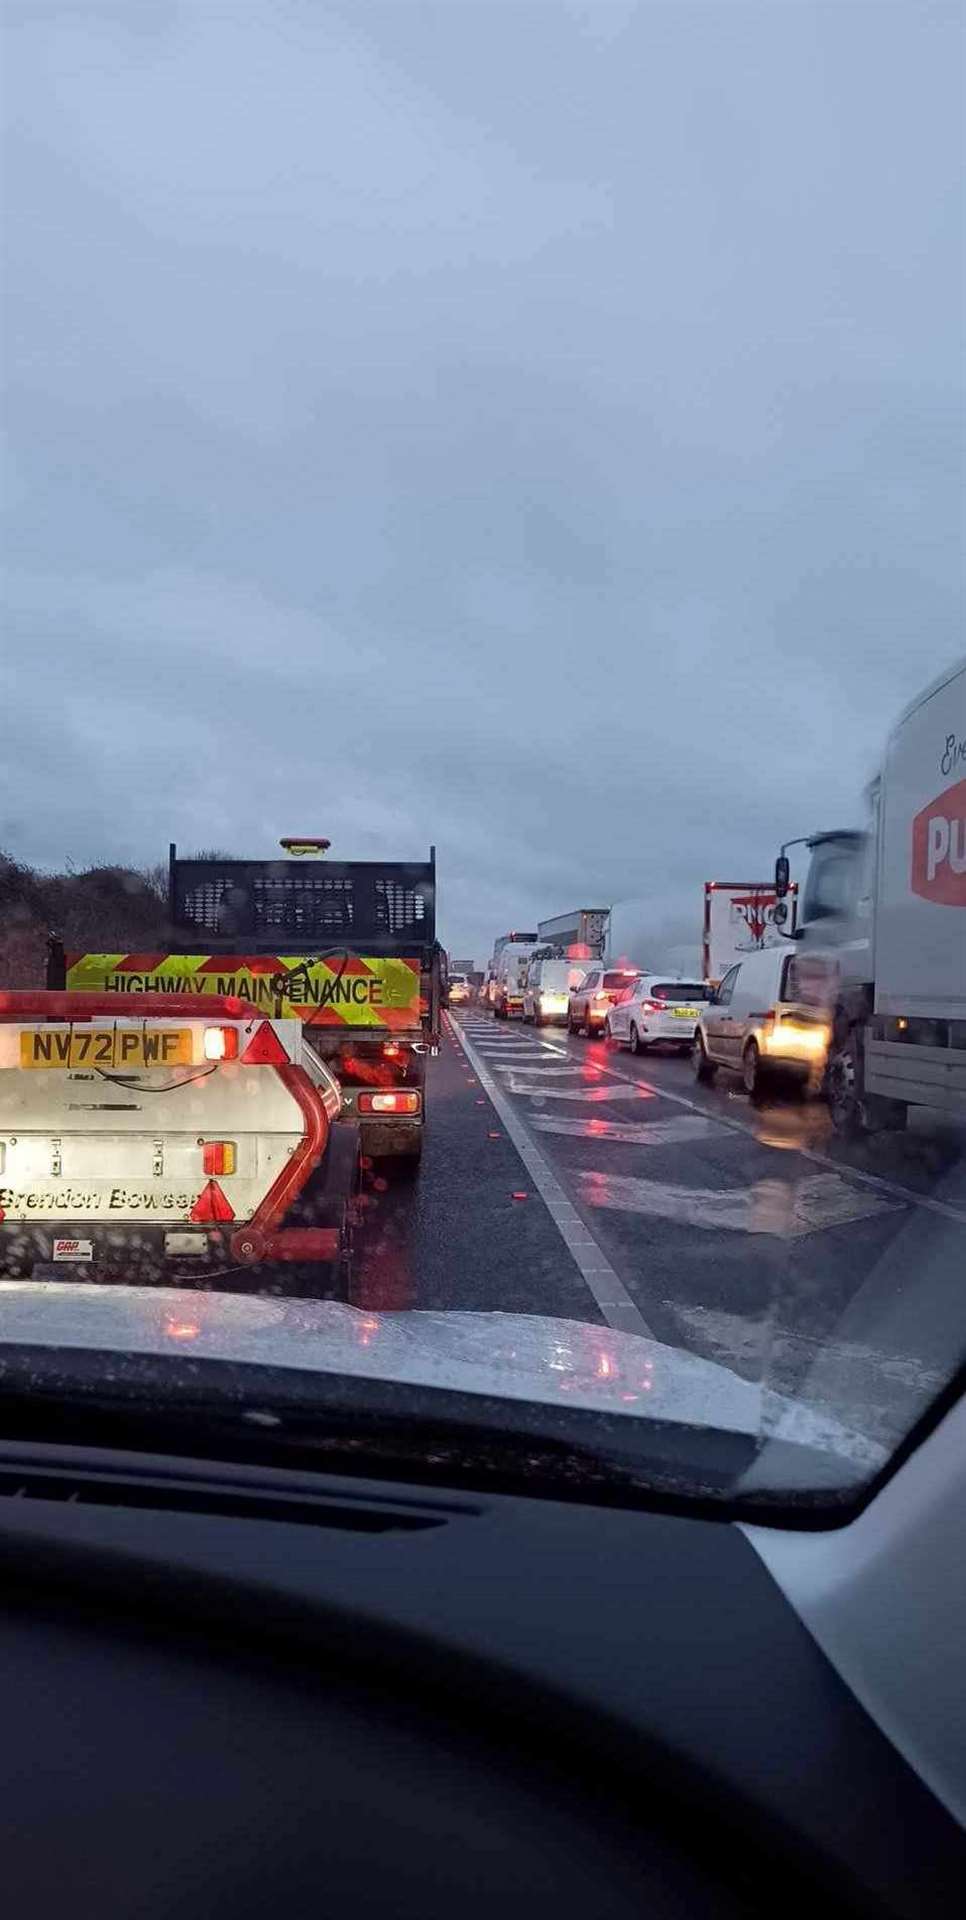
542 1071
609 1291
875 1181
590 1096
637 1133
734 1338
787 1209
519 1050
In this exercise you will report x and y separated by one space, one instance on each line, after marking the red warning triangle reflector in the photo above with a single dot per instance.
265 1049
211 1205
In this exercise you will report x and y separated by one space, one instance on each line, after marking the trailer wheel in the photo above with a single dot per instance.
332 1200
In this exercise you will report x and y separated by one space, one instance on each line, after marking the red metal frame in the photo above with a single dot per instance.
251 1242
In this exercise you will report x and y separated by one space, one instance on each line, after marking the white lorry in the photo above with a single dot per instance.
882 939
738 919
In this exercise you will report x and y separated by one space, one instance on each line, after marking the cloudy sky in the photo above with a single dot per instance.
536 429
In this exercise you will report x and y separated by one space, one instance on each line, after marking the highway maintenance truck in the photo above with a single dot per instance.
346 948
882 933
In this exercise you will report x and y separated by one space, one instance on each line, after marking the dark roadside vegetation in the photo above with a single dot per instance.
104 909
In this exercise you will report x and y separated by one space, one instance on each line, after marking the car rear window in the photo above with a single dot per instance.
617 979
687 990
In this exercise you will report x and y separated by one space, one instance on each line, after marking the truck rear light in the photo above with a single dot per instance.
221 1043
265 1049
387 1103
218 1156
391 1050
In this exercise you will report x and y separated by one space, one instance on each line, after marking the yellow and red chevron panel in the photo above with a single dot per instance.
380 991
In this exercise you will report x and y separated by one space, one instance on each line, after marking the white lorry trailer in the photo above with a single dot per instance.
737 920
882 939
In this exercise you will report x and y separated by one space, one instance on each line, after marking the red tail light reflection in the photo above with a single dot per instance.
176 1327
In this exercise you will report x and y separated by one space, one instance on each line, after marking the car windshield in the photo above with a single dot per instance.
461 463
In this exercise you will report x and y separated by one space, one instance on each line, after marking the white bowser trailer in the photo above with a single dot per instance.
154 1137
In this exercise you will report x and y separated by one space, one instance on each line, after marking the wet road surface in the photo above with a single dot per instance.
564 1177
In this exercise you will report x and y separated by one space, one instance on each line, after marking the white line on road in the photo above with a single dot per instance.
785 1208
609 1291
637 1133
589 1096
513 1066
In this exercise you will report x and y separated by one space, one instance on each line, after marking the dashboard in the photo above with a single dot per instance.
235 1689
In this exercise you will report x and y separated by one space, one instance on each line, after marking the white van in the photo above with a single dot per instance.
759 1023
507 991
546 990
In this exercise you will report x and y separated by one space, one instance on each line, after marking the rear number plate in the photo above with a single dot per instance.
106 1047
685 1013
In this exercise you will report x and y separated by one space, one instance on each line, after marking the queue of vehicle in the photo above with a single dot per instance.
862 994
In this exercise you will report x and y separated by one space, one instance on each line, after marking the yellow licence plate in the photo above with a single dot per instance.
109 1047
685 1013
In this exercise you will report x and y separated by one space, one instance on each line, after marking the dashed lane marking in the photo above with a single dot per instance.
609 1291
589 1096
637 1133
512 1066
787 1209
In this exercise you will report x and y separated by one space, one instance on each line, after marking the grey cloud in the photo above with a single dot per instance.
532 430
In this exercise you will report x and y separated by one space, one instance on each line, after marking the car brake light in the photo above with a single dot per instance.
264 1049
221 1043
653 1006
387 1103
218 1156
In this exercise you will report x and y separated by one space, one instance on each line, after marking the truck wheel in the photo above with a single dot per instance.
331 1200
855 1112
844 1081
704 1069
752 1073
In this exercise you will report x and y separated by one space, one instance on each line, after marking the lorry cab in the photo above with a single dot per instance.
837 902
